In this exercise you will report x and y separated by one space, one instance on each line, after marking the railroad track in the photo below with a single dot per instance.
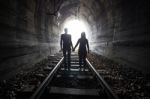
74 83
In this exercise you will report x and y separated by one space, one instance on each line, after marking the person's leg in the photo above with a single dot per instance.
80 61
64 54
84 62
85 59
69 53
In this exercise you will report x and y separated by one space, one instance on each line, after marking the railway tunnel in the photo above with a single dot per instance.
30 31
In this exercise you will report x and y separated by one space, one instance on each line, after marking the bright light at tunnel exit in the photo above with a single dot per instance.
75 27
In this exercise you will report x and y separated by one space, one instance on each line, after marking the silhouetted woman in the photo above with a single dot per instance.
83 48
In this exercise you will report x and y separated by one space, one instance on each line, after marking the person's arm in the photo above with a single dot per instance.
61 41
88 46
71 42
76 44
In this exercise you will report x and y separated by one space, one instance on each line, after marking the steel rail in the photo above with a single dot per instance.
102 82
37 94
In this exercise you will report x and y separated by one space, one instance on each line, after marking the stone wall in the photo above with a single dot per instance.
27 35
123 33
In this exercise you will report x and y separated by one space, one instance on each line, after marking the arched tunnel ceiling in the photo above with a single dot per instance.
82 9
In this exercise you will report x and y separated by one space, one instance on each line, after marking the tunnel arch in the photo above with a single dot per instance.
75 27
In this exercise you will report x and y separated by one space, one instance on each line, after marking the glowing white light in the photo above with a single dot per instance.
75 27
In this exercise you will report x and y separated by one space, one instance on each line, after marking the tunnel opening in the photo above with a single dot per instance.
75 28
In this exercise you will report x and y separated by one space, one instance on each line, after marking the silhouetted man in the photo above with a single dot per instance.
84 45
66 44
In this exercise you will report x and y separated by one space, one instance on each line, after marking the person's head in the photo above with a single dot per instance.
66 30
83 35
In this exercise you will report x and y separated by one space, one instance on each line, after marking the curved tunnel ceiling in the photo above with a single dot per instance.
81 9
88 11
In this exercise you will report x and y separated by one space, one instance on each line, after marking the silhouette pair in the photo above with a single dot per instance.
66 45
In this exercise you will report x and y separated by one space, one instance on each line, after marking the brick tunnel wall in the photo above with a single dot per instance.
27 35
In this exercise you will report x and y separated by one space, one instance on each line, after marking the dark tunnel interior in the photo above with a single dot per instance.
30 31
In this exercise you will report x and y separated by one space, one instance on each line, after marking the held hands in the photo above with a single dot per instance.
73 49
